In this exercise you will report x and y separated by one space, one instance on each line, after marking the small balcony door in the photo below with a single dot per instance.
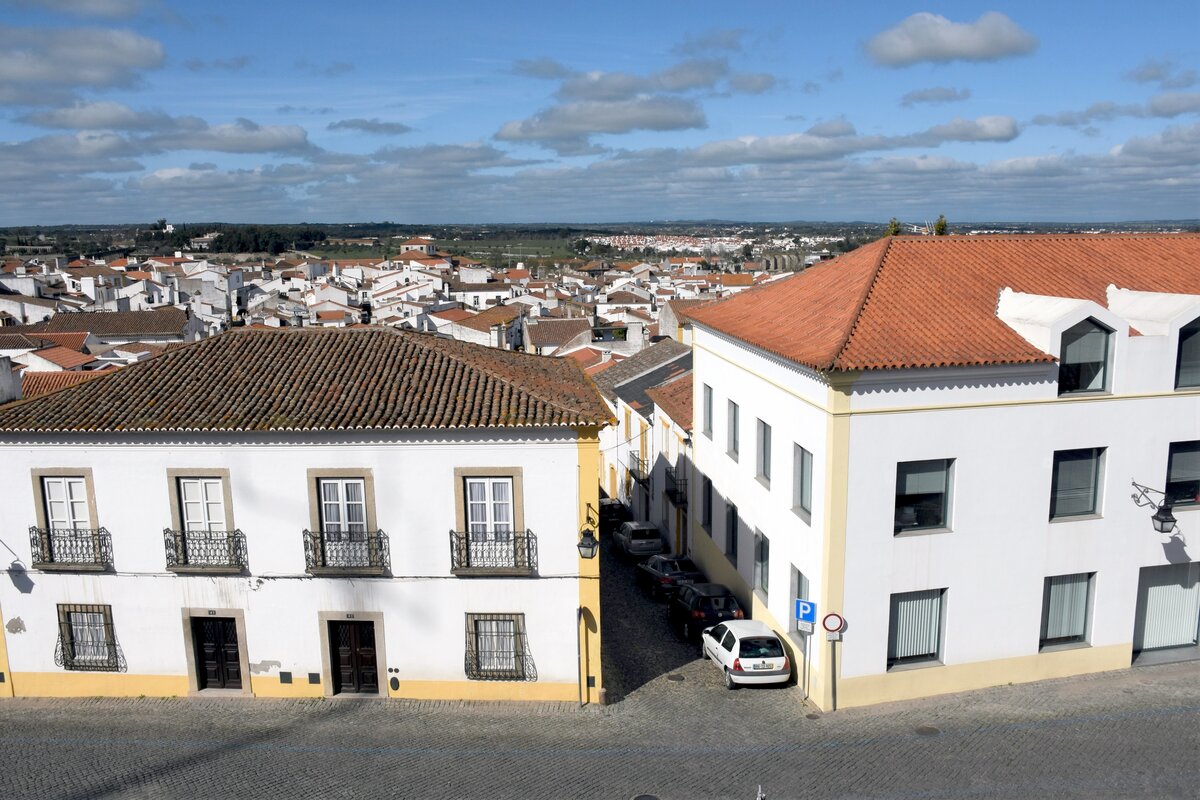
489 515
352 646
218 655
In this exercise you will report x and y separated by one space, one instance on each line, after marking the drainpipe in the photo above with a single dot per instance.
579 655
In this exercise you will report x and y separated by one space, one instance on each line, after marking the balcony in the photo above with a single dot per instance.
493 553
638 469
346 553
677 487
205 552
71 549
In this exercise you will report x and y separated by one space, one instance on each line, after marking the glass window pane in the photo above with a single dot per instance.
1083 362
1187 371
922 489
1074 482
1183 473
1064 608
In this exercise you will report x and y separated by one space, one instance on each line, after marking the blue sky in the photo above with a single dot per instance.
128 110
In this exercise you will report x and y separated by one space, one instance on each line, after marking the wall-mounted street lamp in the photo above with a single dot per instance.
588 543
1162 519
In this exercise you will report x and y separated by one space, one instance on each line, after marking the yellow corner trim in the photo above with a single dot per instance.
486 690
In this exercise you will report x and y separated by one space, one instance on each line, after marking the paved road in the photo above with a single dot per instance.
1134 733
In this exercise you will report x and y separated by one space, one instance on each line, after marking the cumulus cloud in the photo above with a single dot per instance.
832 128
1172 104
234 64
728 39
568 127
1166 74
543 68
926 37
682 77
84 8
376 125
240 136
751 82
109 115
43 66
1167 105
934 94
983 129
291 109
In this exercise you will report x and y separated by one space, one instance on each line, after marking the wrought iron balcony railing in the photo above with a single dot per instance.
78 549
205 551
337 552
677 486
497 553
638 468
500 665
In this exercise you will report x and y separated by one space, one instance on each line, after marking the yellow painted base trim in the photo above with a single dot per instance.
97 684
269 686
486 690
910 684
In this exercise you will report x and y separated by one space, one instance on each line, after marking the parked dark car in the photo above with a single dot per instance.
637 540
697 606
612 514
662 576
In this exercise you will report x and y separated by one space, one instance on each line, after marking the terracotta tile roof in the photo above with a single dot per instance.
735 279
625 298
72 341
160 320
931 301
453 314
556 332
36 384
683 308
496 315
314 379
675 398
64 358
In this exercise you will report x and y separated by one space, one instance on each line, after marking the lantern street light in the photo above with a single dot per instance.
588 544
1162 519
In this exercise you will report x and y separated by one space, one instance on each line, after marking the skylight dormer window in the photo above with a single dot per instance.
1084 361
1187 362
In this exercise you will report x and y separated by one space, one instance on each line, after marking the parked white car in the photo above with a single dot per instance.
747 651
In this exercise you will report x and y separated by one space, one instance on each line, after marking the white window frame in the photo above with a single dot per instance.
1106 378
343 504
489 519
207 511
763 454
708 410
1097 490
900 524
733 434
70 494
908 644
801 480
1065 602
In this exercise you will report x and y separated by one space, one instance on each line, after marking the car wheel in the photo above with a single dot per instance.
703 652
729 684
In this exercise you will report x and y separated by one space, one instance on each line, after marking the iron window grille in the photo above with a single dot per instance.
498 649
86 641
205 551
493 552
677 486
71 548
342 552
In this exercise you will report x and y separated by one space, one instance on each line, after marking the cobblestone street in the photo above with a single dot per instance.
1132 733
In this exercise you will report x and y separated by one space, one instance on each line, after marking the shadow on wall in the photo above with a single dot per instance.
1175 550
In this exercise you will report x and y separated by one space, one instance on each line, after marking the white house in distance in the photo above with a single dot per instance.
306 512
936 437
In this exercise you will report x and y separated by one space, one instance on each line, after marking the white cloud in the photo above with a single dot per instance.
935 94
567 127
84 8
110 115
752 82
1165 73
832 128
1172 104
983 129
542 68
40 66
933 38
720 39
241 136
376 126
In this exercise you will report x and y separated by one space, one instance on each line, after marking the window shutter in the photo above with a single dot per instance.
915 624
1066 607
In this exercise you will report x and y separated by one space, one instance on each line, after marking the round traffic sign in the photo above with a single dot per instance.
833 622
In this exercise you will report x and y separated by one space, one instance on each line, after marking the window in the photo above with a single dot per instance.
497 649
1066 601
708 410
731 533
800 591
923 495
764 452
734 436
66 503
1183 474
85 639
762 562
202 504
489 506
706 503
343 505
1075 481
801 480
1083 362
1187 362
915 628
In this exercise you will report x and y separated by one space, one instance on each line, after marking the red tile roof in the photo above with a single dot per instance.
453 314
496 315
167 320
931 301
675 398
321 379
36 384
557 332
64 358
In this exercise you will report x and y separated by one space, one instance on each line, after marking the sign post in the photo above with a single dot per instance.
833 624
806 623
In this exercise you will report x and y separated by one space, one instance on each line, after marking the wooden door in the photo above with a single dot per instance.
352 646
218 655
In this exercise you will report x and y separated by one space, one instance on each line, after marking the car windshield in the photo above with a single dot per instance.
761 647
644 533
718 604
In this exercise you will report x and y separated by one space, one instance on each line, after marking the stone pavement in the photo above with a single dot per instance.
1131 733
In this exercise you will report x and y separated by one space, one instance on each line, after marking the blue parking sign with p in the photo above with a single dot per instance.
806 611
